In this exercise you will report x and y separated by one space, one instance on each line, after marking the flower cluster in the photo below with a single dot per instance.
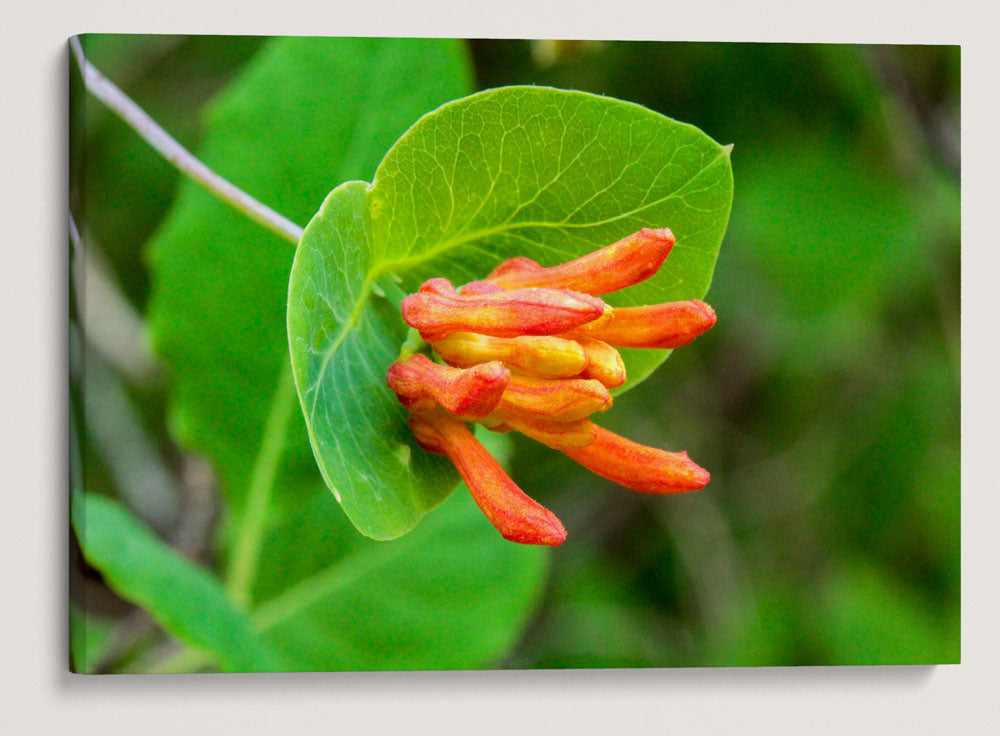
533 350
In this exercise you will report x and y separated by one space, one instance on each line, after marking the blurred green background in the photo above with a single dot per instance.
825 402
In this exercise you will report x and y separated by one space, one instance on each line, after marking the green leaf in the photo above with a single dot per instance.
185 599
453 594
529 171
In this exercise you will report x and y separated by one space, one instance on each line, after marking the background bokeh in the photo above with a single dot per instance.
825 402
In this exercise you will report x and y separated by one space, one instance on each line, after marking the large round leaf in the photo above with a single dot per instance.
532 171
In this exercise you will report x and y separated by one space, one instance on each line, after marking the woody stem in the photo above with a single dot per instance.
136 118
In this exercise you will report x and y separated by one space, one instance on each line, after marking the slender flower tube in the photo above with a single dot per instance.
632 259
669 325
558 400
537 355
557 435
515 515
635 466
505 314
421 384
533 350
604 363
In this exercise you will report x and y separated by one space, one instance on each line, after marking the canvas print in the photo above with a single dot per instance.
423 354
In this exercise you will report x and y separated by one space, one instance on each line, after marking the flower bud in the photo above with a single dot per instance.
505 314
557 435
632 259
440 286
549 326
635 466
604 363
537 355
421 384
515 515
556 400
669 325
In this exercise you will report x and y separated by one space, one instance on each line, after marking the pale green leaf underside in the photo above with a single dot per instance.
529 171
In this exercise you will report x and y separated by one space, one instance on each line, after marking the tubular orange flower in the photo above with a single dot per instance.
422 384
632 259
437 314
547 325
558 400
515 515
542 355
604 363
641 468
557 435
669 325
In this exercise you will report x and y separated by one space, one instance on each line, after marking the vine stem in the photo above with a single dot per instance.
150 131
250 528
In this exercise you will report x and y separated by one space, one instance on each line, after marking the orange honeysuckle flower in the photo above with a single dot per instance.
632 259
437 314
537 355
669 325
548 326
557 400
604 363
421 385
515 515
641 468
481 288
